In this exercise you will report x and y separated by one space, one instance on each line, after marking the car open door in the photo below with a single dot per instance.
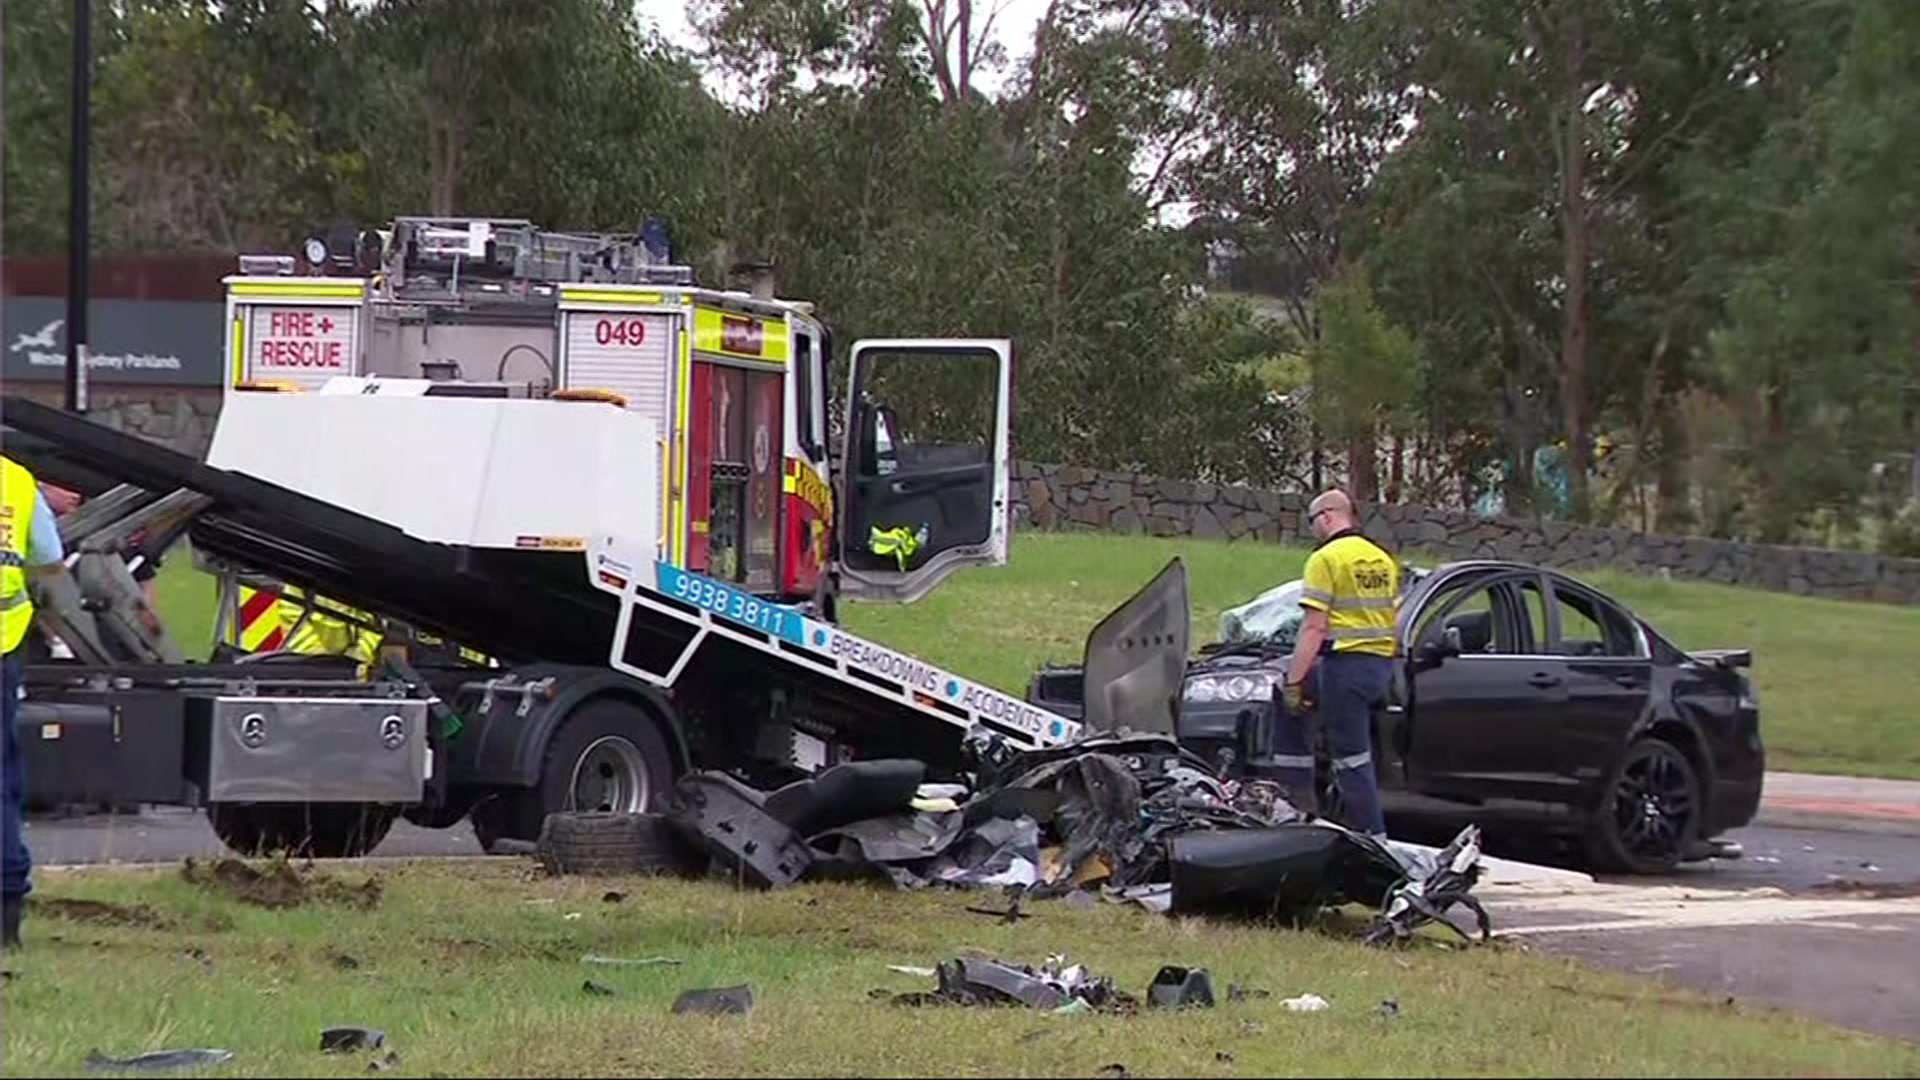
924 470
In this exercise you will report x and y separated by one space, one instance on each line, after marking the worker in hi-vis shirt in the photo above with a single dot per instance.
1343 663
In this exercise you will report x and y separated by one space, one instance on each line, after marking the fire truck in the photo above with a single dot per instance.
593 513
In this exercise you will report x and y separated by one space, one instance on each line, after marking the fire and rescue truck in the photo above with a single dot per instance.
583 504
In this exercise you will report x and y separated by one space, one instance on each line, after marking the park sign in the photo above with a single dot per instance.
154 342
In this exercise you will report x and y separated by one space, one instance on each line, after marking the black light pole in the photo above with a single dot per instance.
78 222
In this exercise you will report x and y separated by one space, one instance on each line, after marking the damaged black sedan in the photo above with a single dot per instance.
1525 701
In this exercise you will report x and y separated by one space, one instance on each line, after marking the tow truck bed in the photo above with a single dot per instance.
688 635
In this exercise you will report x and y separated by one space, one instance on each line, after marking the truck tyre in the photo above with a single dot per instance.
596 842
607 756
1648 817
302 830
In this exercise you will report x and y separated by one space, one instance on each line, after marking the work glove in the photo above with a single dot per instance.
1294 696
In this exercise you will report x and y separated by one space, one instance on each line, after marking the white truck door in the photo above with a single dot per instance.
924 469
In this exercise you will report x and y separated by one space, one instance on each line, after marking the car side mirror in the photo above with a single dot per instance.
1432 654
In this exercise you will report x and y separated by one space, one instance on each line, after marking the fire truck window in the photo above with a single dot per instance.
928 411
729 527
765 392
805 399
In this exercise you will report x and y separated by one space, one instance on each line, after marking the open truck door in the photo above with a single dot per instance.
924 472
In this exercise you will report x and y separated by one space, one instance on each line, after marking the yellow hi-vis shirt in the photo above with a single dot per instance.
1357 584
17 491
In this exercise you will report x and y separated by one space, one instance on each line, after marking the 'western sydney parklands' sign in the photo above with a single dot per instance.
168 342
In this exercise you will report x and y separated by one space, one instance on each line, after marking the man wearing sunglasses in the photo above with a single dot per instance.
1343 663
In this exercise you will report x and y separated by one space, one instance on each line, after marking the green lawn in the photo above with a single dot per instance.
1839 680
473 969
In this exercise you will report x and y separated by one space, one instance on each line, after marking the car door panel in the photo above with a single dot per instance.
1609 681
1475 719
926 465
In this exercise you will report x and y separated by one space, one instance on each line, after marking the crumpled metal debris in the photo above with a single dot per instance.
1426 893
1178 987
158 1061
1053 987
1133 816
340 1040
720 1001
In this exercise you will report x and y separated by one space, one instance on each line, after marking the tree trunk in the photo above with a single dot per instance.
1317 458
1574 317
1673 506
1777 512
456 135
1361 486
1397 477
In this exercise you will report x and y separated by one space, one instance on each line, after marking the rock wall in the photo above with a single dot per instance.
1067 497
180 419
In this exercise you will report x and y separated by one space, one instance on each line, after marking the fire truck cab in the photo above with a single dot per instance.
735 381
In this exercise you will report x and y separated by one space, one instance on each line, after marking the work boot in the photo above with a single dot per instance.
10 912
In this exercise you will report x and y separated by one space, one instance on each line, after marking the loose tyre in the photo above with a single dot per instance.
302 830
595 842
1649 815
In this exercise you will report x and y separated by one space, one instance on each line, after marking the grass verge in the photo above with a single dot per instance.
475 968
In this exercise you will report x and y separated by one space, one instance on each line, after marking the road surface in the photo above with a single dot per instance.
1807 941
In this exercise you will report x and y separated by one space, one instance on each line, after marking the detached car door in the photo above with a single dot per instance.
925 464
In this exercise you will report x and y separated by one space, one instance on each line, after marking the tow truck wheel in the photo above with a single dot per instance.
302 830
607 757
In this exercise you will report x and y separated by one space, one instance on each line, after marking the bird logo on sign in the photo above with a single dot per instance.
47 338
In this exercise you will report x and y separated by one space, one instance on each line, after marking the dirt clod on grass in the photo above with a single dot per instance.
279 886
101 913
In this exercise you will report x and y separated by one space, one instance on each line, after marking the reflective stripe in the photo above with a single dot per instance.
14 600
13 558
1316 594
300 290
1361 633
1357 761
1293 761
1366 603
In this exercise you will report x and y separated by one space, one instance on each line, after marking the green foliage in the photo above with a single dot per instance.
1489 232
1900 535
1363 364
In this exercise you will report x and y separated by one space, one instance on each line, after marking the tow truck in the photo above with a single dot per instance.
584 503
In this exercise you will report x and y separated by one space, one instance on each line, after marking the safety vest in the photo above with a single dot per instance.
17 491
1357 583
267 622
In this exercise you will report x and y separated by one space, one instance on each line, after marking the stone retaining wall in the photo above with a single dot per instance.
1066 497
180 419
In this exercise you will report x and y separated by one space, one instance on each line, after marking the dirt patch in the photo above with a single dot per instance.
1694 1002
1870 890
279 886
101 913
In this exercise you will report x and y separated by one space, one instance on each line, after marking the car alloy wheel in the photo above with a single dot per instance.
1652 813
